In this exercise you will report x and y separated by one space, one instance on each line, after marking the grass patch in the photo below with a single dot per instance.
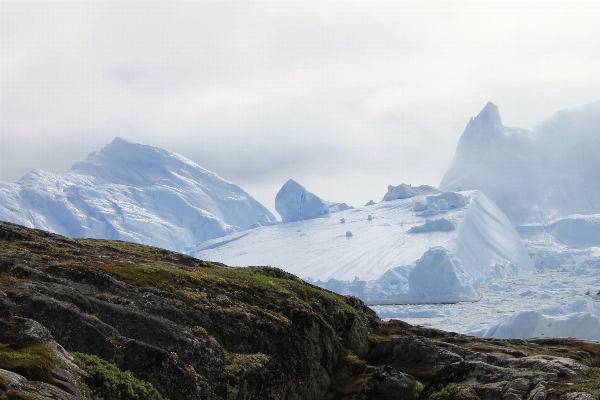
238 363
156 276
14 395
33 362
276 283
9 248
113 298
273 284
455 392
590 385
109 382
348 378
142 250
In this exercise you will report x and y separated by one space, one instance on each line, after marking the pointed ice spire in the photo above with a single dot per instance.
489 116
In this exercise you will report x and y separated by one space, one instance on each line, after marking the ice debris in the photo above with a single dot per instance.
404 191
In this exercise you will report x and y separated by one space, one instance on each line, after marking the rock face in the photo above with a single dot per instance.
294 203
97 319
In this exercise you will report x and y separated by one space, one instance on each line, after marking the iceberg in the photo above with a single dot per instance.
536 175
294 203
133 192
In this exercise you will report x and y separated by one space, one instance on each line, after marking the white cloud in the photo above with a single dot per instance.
382 88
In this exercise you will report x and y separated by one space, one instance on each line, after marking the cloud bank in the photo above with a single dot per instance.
345 98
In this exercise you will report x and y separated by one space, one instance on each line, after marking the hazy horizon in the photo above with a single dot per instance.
345 98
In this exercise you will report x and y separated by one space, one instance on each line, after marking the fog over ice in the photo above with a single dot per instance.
337 96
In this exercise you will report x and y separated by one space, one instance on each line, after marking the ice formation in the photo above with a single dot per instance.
404 191
437 273
374 263
134 192
529 324
294 203
537 175
337 207
579 231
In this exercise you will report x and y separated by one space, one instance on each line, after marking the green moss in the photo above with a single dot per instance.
57 250
142 250
238 363
3 383
6 248
455 392
155 276
274 282
109 382
590 385
14 395
112 298
33 362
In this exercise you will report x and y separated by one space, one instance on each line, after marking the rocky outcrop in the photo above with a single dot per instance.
83 319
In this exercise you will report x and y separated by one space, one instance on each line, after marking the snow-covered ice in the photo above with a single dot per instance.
373 262
294 203
404 191
132 192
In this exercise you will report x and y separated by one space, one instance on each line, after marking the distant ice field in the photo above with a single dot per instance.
552 302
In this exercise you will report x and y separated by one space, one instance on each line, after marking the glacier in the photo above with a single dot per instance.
375 260
133 192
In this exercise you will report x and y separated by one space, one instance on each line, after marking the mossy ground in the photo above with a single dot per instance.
33 362
108 382
14 395
271 283
591 384
455 392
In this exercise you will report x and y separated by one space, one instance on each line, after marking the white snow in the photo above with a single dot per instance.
374 262
133 192
294 203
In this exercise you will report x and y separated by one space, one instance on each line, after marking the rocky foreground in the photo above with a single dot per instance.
96 319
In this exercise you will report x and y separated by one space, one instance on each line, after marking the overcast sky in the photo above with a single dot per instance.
346 98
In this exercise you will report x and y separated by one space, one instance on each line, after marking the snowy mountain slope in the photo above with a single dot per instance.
133 192
383 237
536 175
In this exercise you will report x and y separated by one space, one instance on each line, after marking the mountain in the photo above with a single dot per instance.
536 175
134 192
383 242
97 319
